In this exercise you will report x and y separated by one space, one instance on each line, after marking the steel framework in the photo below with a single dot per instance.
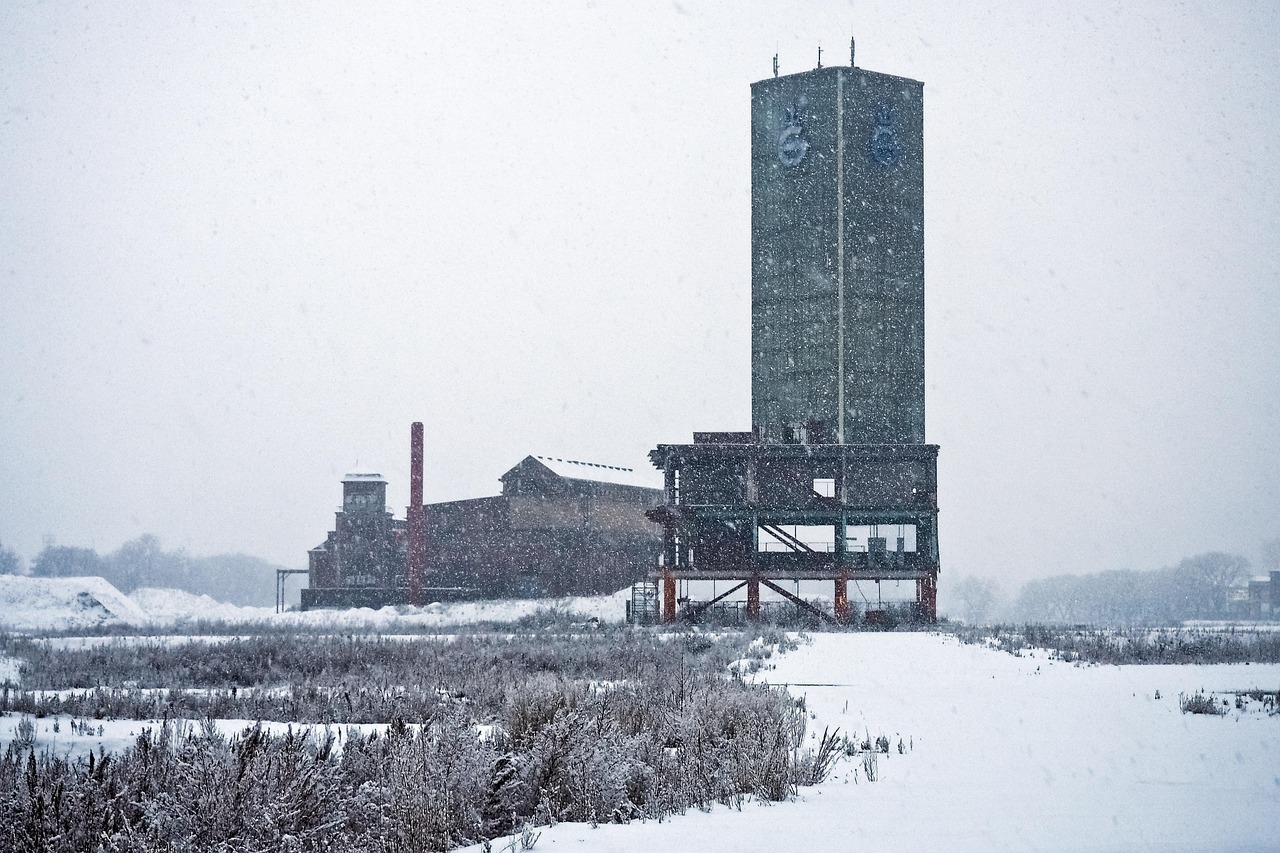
281 575
727 489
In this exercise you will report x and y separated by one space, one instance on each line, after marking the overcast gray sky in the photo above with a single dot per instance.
243 245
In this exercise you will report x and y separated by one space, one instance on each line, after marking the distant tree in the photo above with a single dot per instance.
10 562
1196 588
66 561
977 598
1210 575
234 579
143 562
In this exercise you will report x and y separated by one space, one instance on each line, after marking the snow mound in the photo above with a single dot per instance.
605 608
63 604
28 604
170 606
166 606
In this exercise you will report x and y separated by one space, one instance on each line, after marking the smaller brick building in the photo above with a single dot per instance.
361 563
559 527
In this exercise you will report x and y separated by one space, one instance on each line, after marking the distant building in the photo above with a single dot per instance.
1258 598
559 527
361 563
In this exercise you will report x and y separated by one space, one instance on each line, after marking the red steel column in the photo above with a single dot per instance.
668 596
416 519
753 599
927 597
842 599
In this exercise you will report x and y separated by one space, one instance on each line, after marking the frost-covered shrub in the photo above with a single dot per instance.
813 767
871 765
584 769
482 736
1200 704
429 787
24 734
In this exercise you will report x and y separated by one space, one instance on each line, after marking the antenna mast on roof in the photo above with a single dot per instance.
819 55
851 65
775 65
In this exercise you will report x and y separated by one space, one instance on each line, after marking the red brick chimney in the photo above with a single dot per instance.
416 519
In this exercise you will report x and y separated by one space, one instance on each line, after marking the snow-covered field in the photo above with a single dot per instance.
1005 753
1001 752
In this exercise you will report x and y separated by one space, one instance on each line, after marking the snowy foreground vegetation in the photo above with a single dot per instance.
531 727
483 735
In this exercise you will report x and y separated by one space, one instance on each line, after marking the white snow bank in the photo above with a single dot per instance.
1231 626
59 604
170 606
74 737
606 608
28 604
167 606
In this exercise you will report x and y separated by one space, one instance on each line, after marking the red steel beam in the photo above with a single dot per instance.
927 597
668 596
753 599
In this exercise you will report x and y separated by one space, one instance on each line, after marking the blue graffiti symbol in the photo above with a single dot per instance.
792 146
884 146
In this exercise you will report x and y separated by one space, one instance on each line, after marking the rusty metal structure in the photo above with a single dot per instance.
835 465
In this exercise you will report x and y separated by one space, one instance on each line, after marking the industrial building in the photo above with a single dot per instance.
834 481
558 527
1255 598
835 466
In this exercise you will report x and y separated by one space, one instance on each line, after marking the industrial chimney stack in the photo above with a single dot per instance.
416 519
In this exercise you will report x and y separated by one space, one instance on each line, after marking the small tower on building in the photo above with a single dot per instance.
362 561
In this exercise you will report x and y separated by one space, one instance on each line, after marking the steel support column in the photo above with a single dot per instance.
927 597
668 596
753 599
842 599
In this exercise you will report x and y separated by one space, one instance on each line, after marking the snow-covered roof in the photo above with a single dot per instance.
574 469
362 476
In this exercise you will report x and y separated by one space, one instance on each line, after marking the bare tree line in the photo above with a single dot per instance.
144 562
1197 587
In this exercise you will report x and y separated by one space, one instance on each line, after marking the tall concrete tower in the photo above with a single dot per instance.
835 466
837 262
